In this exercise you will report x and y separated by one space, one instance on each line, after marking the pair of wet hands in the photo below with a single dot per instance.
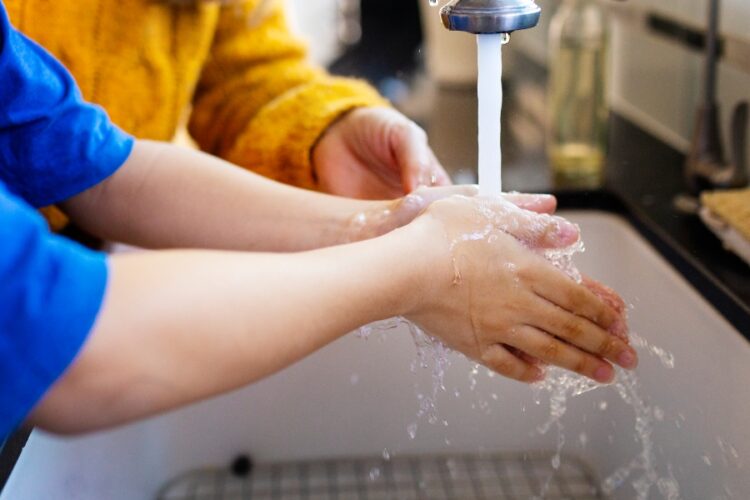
510 306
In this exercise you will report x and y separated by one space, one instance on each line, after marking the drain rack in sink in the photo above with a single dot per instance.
433 477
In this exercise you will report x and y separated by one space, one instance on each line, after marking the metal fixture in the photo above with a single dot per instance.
706 166
490 16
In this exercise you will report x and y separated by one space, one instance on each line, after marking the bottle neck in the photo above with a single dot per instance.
580 19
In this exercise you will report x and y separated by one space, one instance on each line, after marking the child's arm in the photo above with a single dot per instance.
179 326
168 197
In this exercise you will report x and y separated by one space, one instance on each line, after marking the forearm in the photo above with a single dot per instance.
181 326
168 197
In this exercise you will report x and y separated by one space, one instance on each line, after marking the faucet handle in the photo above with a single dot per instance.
739 143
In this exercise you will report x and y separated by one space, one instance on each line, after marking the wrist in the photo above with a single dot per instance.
331 129
421 265
376 218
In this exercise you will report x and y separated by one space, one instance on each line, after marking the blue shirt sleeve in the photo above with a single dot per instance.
51 290
53 144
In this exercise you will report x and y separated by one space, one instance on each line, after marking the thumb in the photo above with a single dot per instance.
546 232
539 203
414 158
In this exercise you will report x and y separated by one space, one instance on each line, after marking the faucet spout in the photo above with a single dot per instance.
490 16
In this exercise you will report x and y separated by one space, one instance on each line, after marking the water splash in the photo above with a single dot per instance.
430 353
374 474
666 357
642 469
561 384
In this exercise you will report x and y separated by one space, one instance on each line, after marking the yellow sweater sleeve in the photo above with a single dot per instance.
259 104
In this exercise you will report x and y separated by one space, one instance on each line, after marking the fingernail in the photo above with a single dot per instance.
604 374
628 359
541 198
567 231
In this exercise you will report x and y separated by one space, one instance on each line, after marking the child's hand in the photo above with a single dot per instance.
489 293
386 216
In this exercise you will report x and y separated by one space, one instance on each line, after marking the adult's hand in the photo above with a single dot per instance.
375 153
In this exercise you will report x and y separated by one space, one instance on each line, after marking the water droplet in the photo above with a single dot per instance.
658 413
412 430
583 439
602 405
707 460
665 357
386 454
374 474
473 377
556 461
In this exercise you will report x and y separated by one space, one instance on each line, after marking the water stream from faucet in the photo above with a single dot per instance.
489 110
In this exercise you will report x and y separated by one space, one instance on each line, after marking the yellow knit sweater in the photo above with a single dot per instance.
255 100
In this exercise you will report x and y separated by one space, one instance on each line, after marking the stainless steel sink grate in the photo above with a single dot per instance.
462 477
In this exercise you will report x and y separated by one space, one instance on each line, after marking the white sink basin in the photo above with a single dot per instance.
357 397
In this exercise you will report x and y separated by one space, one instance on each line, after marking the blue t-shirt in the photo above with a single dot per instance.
53 145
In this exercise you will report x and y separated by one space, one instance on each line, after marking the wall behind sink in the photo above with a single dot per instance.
657 83
315 21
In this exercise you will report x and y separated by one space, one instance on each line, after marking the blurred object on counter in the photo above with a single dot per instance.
349 27
578 113
315 23
705 166
451 59
727 213
391 35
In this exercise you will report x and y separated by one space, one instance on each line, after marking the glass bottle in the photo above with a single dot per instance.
578 114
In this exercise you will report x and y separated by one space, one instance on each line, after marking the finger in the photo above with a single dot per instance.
432 194
541 231
556 287
582 333
551 350
500 360
536 231
614 301
438 176
539 203
414 158
525 357
410 206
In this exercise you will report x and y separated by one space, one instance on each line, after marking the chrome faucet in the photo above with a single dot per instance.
705 166
490 16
